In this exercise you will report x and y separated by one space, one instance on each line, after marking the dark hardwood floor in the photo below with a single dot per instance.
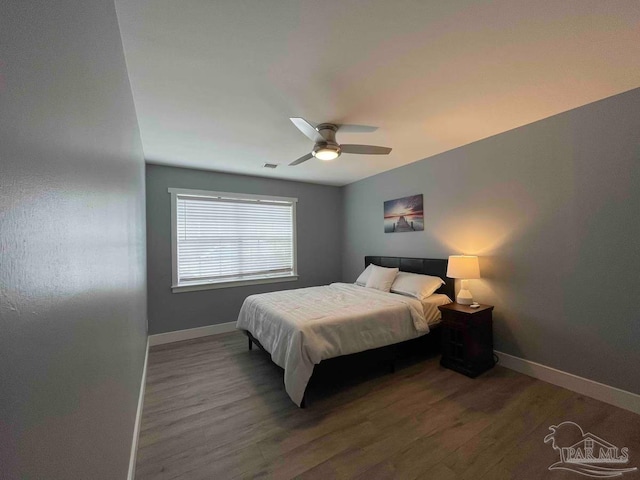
214 410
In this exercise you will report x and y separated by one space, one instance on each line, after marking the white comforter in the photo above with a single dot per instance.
302 327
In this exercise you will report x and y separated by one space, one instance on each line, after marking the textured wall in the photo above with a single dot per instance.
552 208
319 223
72 244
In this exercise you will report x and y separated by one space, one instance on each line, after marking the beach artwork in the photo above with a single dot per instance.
403 215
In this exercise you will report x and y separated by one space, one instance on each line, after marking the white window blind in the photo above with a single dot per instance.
222 238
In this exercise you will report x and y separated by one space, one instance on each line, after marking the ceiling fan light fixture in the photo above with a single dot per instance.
327 152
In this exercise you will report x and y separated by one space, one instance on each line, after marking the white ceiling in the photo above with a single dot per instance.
215 82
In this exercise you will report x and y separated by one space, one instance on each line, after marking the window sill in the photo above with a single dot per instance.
235 283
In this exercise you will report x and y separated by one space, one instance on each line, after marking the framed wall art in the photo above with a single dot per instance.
404 215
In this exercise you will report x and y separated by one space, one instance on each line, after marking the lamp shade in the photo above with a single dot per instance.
463 266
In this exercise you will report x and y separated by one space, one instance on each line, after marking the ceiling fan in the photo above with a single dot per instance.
326 147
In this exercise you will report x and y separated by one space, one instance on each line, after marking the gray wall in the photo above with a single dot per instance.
72 244
553 210
319 222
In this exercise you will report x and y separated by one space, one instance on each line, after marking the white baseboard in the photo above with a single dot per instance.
136 425
599 391
178 336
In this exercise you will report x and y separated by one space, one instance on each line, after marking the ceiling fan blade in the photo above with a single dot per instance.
303 158
308 129
349 128
365 149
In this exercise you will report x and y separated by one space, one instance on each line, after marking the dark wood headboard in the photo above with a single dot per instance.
436 267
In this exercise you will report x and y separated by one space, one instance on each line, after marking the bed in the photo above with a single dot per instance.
303 327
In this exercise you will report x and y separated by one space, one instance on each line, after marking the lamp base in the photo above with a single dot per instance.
463 299
464 295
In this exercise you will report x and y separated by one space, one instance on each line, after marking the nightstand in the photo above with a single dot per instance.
467 338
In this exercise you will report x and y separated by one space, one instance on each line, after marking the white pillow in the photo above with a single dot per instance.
381 278
364 276
416 285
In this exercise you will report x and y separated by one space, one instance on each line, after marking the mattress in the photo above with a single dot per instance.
302 327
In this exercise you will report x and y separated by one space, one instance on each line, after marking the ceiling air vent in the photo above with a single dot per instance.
270 165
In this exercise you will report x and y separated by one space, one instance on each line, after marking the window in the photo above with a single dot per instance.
223 239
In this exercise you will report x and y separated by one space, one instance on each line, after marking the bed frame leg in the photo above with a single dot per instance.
250 343
392 361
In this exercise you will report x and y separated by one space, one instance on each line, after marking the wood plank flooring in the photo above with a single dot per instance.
214 410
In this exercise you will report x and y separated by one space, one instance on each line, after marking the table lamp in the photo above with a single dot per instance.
463 267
